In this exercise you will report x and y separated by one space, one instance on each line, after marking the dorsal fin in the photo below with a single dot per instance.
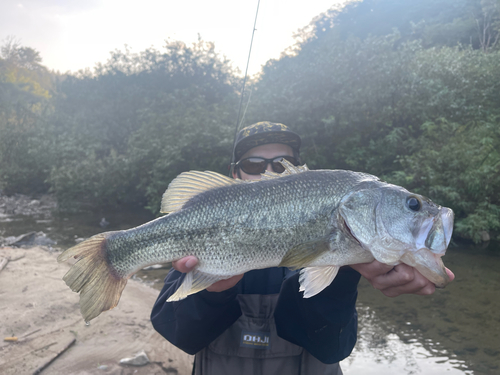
188 184
289 169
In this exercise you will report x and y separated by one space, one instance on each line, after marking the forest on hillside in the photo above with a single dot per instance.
405 90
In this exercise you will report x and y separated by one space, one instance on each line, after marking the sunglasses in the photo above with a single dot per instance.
258 165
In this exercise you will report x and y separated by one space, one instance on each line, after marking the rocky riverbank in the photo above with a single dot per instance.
40 209
19 204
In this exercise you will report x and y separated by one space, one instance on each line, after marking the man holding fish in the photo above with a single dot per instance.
258 322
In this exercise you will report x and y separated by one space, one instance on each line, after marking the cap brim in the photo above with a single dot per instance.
284 137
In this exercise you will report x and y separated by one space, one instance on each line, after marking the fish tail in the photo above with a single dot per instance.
98 283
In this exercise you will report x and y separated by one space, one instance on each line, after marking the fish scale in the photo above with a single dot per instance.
284 227
319 220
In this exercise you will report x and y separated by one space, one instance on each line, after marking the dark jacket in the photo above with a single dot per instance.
325 325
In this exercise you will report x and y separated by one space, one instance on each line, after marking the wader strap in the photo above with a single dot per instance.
251 346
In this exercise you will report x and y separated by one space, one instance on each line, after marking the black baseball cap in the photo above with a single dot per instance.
262 133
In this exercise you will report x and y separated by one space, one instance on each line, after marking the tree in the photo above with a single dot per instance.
23 57
488 24
25 90
361 103
130 126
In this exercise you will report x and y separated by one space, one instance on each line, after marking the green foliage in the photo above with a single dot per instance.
361 103
25 90
459 166
91 181
406 90
434 22
125 130
173 139
488 24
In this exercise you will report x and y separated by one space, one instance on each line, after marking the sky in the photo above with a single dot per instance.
73 35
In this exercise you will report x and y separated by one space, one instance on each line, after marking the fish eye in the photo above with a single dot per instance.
413 203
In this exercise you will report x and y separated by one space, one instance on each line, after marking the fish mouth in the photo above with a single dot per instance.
435 233
429 264
425 255
431 244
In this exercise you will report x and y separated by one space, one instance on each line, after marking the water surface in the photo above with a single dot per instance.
455 331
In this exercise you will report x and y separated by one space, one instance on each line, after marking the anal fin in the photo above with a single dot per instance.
194 282
314 279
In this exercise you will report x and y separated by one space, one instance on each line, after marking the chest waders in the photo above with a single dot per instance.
251 346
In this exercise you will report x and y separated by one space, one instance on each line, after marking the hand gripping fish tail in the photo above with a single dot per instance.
92 276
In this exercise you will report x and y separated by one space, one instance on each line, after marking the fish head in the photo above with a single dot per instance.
398 226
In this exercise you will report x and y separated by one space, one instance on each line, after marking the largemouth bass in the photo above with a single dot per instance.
317 220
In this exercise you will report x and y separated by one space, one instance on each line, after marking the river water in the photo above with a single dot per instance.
455 331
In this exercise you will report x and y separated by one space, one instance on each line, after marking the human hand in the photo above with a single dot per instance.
393 281
188 263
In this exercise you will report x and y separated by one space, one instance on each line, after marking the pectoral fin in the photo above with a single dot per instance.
194 282
304 254
314 279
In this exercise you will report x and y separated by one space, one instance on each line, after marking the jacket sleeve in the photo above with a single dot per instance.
326 324
194 322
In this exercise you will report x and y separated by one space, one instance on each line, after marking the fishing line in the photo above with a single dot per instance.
243 88
246 107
